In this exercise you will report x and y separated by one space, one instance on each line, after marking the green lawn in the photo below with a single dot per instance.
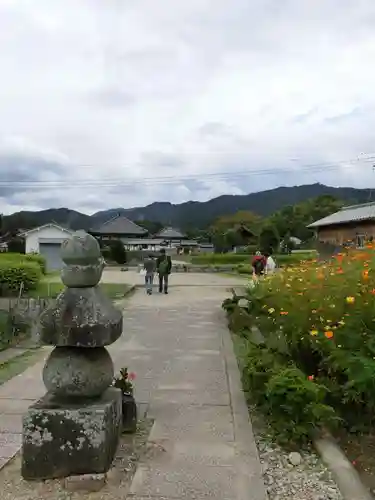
18 365
51 289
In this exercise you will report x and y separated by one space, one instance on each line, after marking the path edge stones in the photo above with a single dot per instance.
345 475
250 483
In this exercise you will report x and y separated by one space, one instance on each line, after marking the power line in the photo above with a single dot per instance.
169 180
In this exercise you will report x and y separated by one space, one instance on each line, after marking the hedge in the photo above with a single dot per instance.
220 258
20 257
13 274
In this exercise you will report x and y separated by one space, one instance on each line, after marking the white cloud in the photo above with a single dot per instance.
108 93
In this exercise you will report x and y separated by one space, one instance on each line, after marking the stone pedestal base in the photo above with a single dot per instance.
72 439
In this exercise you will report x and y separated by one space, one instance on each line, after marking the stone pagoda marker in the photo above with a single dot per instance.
75 427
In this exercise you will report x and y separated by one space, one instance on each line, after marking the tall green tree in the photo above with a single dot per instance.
269 239
226 231
293 220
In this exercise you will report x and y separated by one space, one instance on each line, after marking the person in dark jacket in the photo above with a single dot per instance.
164 267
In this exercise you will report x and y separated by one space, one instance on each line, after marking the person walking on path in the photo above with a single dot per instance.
164 267
270 264
150 268
258 265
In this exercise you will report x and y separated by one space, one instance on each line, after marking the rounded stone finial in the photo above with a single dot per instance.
80 249
73 372
83 259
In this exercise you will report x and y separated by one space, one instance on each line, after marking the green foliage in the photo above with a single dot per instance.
296 404
106 253
317 364
118 253
13 274
151 226
19 257
16 245
234 230
124 381
269 239
38 259
293 220
209 259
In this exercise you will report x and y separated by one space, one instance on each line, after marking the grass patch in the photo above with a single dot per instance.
52 289
15 366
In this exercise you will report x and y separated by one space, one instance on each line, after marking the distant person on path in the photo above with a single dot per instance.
150 268
258 264
164 267
270 264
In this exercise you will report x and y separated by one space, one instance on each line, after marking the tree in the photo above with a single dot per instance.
294 220
151 226
269 239
244 218
118 253
16 245
229 231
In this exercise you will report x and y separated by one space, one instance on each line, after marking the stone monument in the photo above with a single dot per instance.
75 427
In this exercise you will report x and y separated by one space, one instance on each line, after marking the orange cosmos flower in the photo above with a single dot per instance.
328 334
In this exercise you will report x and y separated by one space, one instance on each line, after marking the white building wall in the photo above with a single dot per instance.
32 239
32 243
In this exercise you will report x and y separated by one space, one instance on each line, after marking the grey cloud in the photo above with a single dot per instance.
112 98
132 90
354 113
20 174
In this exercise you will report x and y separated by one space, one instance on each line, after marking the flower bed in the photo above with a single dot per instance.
315 367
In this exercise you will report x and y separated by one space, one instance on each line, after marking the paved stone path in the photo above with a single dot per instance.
181 351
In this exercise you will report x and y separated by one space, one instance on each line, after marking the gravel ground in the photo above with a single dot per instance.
131 448
292 475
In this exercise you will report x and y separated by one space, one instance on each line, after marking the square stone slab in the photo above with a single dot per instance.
185 481
61 441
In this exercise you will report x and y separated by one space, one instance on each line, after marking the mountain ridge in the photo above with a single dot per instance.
191 213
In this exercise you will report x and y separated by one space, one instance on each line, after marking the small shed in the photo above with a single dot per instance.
47 240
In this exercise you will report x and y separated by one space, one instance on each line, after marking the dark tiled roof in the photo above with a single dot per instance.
119 225
169 232
354 213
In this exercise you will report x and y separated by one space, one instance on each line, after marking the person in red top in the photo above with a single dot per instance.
259 264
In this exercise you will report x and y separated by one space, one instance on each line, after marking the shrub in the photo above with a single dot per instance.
319 329
20 257
245 269
106 253
39 259
117 251
13 274
292 259
16 245
219 258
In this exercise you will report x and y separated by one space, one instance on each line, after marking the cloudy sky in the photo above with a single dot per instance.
107 103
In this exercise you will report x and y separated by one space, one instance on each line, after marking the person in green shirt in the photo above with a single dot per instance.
164 267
